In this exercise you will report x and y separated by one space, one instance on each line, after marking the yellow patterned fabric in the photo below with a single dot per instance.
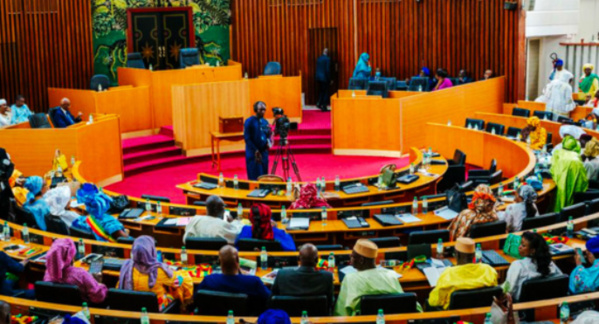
463 277
537 134
20 195
165 288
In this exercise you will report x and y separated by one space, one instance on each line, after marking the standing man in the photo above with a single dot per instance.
323 78
256 133
558 70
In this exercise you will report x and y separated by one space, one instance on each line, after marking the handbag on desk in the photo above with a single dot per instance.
118 204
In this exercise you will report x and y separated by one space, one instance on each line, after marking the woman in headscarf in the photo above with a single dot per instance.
480 210
35 204
143 272
589 82
443 81
557 96
594 103
58 200
363 69
586 279
523 207
590 160
60 269
262 228
16 182
568 172
105 227
309 198
572 130
537 134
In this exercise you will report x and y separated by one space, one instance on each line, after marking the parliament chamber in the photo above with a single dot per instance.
290 161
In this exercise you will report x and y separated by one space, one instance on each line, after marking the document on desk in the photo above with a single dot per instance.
432 275
408 218
446 213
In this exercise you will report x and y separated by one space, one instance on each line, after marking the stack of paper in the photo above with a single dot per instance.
446 213
408 218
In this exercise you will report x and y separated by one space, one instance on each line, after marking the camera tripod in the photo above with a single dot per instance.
285 155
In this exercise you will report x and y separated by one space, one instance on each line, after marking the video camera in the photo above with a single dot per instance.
282 124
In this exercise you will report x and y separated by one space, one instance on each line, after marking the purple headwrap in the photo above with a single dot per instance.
59 258
143 258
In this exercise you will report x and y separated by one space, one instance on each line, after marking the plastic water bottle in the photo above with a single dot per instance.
289 187
500 189
284 218
85 310
91 119
331 262
528 141
440 248
380 317
240 211
516 183
148 206
6 231
159 256
519 137
337 183
304 319
564 313
221 180
488 319
449 122
420 88
245 75
159 208
235 182
478 253
323 185
424 205
323 216
81 248
100 87
230 318
415 206
263 259
353 94
73 160
411 168
25 234
430 152
151 67
183 255
145 319
570 227
469 126
493 131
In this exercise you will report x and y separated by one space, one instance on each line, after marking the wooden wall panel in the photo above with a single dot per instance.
400 36
44 43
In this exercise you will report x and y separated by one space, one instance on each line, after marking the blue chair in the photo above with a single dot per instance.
100 79
357 84
189 57
135 60
417 83
272 68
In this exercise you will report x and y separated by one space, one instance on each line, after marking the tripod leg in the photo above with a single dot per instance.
291 157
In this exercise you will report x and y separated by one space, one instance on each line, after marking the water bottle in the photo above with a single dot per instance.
235 182
493 131
564 313
353 94
81 248
380 317
221 180
323 215
100 87
85 310
245 75
478 254
304 319
519 137
449 122
145 319
148 205
516 183
159 256
440 248
331 263
411 168
289 187
284 218
337 183
6 231
159 208
420 88
217 63
73 160
263 259
528 141
415 206
25 234
230 318
570 228
183 255
469 126
91 119
240 211
424 205
488 319
500 189
323 185
151 67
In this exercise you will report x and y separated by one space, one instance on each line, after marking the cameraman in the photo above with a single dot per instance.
257 134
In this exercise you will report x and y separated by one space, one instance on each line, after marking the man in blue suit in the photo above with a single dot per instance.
62 116
323 78
257 133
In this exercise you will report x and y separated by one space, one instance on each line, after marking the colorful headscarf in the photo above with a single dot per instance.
260 216
16 174
571 130
527 193
309 198
570 144
586 82
34 185
592 245
533 121
143 258
591 149
96 202
482 198
59 258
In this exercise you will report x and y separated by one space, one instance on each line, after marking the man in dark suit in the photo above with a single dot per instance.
62 116
323 79
305 280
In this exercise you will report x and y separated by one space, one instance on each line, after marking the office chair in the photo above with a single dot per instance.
565 120
543 114
482 173
389 303
220 303
357 84
133 301
204 243
51 113
419 82
135 60
483 297
415 250
294 306
189 57
472 122
391 83
378 88
255 244
39 120
54 224
126 240
272 68
455 81
51 292
521 112
25 217
592 207
428 237
75 232
459 158
330 247
456 172
544 288
540 221
401 86
576 211
99 80
487 229
513 132
386 242
499 129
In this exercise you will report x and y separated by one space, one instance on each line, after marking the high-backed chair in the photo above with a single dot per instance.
389 303
294 306
592 207
272 68
256 244
205 243
563 119
126 240
483 173
513 131
487 229
386 242
58 293
26 217
357 84
543 114
576 211
544 288
417 83
220 303
189 57
456 172
51 113
428 237
540 221
498 128
459 158
135 60
134 301
55 224
99 80
75 232
472 122
483 297
330 247
521 112
39 120
377 88
401 85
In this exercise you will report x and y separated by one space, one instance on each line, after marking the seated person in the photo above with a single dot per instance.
304 280
62 115
425 73
20 111
571 130
16 182
588 83
144 273
35 204
464 77
231 280
212 225
594 103
58 199
262 228
590 160
4 114
12 267
368 280
377 75
308 198
60 269
443 81
568 172
536 263
586 279
488 75
480 210
465 276
523 207
105 227
537 134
